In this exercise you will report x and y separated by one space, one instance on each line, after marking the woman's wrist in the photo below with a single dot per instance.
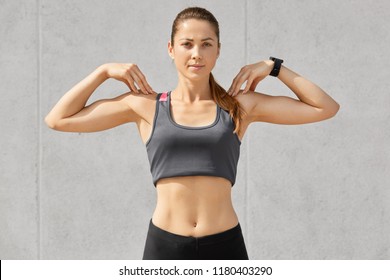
270 63
102 71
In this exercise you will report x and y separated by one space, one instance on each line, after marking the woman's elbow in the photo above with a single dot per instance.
52 123
335 108
331 111
49 122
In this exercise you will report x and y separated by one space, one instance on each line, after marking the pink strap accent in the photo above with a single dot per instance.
163 96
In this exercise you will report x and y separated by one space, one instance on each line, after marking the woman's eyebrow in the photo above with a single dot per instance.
205 39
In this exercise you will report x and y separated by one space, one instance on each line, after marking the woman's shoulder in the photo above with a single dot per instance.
249 99
139 99
142 105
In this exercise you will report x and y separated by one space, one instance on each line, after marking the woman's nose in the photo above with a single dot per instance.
196 53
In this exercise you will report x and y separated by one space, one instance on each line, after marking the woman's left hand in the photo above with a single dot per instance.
252 74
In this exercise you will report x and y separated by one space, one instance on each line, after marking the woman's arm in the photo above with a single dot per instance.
70 113
313 104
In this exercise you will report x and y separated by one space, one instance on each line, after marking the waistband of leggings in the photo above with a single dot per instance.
213 238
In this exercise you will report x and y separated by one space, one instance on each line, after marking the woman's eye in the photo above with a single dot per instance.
188 45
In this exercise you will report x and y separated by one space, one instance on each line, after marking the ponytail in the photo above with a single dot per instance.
227 102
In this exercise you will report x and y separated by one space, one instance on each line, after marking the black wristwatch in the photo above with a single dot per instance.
277 65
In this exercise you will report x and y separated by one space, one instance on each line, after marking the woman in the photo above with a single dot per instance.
192 134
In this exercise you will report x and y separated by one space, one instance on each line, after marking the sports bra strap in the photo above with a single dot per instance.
163 96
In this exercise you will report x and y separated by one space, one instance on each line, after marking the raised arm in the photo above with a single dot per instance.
313 104
71 115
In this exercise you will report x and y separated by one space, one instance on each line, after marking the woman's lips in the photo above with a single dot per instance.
196 67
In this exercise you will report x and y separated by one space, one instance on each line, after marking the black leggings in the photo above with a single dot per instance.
164 245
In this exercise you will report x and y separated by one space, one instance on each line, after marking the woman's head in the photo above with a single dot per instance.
194 42
195 47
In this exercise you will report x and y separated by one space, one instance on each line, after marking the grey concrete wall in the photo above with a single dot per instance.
316 191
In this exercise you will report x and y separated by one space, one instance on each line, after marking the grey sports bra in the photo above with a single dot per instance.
178 150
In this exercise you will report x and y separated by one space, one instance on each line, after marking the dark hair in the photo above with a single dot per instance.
218 93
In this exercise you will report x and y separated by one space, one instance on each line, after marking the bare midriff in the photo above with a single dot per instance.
194 205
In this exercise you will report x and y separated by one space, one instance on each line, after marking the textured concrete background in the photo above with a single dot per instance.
316 191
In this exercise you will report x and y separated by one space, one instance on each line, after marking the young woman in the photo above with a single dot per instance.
192 134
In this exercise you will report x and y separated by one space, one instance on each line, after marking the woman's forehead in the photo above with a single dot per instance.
195 29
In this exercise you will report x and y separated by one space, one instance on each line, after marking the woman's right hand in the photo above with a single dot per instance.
130 74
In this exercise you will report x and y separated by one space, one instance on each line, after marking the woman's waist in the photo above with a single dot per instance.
195 224
194 205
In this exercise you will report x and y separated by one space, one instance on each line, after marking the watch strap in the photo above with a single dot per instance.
277 65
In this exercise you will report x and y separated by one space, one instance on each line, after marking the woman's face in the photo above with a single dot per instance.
195 49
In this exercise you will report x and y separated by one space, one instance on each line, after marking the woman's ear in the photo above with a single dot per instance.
219 49
170 50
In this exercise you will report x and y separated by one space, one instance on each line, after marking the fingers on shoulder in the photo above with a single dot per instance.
135 97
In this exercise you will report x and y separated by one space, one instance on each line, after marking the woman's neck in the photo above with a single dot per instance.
191 91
